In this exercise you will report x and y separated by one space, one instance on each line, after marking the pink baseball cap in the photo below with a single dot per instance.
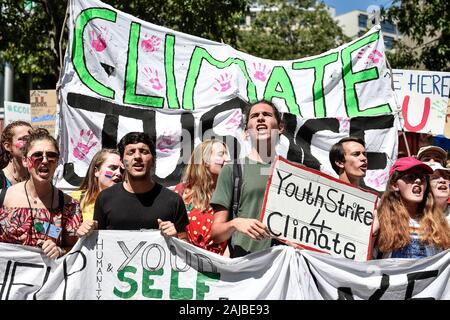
407 163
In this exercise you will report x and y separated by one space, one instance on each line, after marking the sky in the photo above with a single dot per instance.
344 6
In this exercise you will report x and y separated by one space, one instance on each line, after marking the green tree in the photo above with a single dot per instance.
30 30
290 30
427 23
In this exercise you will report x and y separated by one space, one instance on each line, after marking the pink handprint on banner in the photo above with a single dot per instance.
150 44
260 72
98 41
360 53
234 121
153 79
378 179
81 149
374 57
165 143
224 83
344 123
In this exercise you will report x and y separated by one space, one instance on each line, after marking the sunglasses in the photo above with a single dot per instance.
412 177
38 156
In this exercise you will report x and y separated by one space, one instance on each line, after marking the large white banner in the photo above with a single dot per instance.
129 265
123 74
319 212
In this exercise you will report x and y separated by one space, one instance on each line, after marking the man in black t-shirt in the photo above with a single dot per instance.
140 202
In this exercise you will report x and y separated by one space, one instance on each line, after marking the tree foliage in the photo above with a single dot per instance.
29 35
428 24
290 30
29 38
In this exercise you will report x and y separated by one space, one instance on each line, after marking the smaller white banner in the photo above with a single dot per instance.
423 96
15 111
319 212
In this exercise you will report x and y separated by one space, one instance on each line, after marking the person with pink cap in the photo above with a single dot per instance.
411 224
439 182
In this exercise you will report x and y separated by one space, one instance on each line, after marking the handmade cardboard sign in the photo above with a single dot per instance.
318 212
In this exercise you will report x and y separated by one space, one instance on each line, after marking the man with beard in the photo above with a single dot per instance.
140 202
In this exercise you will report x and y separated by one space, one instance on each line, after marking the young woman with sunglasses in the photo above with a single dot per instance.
411 224
14 137
34 212
105 170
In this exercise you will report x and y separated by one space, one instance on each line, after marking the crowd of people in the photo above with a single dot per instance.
217 205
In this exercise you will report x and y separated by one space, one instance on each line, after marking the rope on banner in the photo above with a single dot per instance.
61 73
58 84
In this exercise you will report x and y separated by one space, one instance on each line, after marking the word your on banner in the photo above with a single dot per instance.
133 265
423 96
318 212
15 111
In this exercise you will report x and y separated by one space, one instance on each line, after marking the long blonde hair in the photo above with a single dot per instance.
199 180
89 187
394 220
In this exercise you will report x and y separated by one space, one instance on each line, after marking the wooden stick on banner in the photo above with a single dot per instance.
399 110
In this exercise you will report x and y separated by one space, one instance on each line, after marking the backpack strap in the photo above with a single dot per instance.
3 183
60 201
237 185
2 196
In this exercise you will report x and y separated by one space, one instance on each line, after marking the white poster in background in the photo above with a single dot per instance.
423 96
123 74
15 111
134 265
319 212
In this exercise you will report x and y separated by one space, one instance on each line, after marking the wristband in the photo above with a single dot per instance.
62 252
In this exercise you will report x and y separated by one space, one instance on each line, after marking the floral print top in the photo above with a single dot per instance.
199 227
27 225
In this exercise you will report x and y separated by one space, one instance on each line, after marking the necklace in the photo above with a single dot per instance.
35 199
17 180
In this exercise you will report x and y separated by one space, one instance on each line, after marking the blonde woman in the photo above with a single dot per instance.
105 170
14 137
411 224
35 212
198 184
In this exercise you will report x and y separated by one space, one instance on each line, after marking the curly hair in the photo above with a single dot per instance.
199 180
7 136
39 134
394 220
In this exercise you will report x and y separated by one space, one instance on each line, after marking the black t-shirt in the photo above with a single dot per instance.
118 209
